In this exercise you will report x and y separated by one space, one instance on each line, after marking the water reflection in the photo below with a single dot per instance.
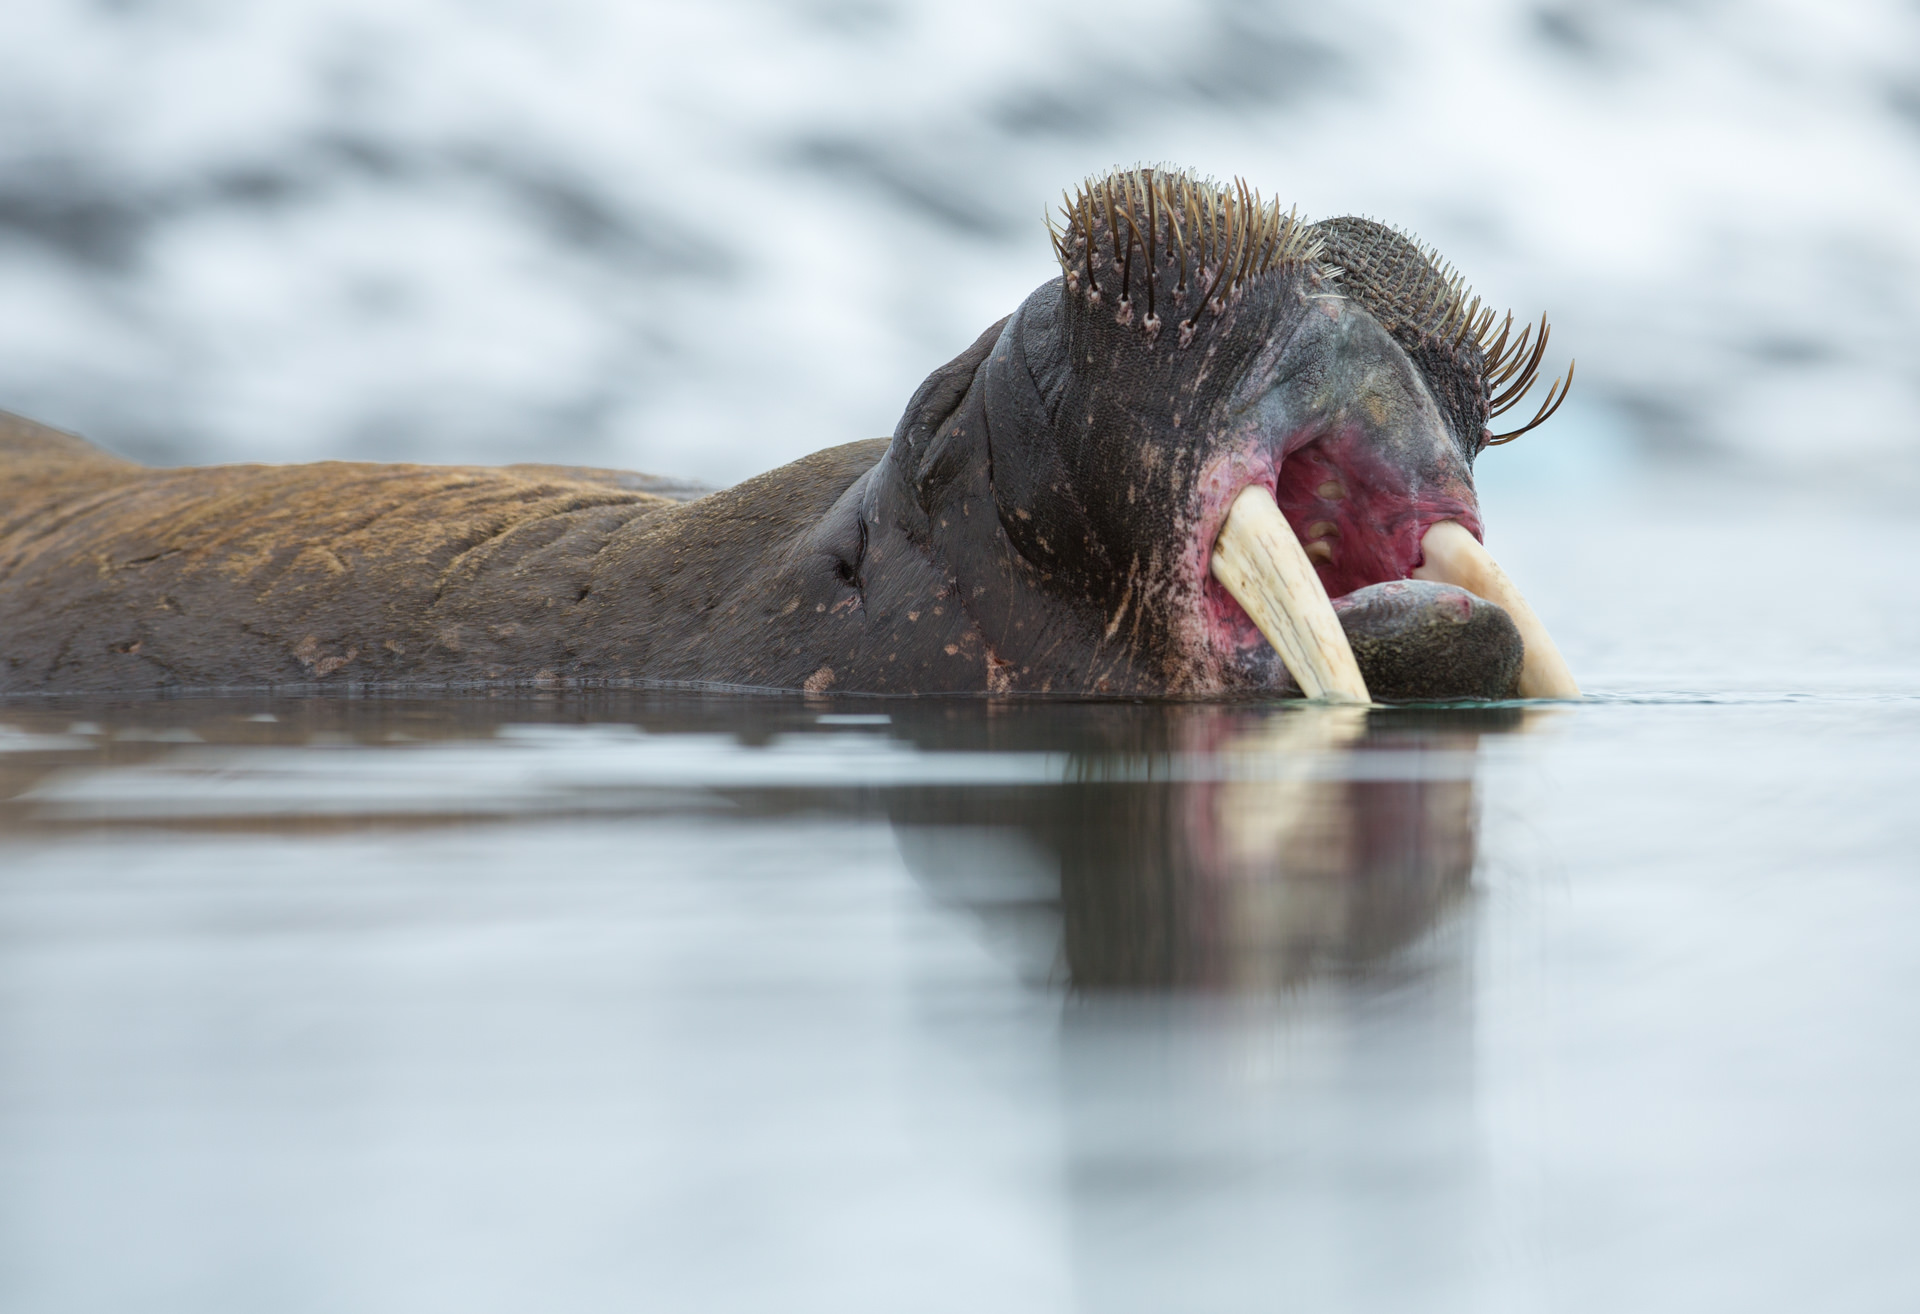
1222 848
765 1003
1130 847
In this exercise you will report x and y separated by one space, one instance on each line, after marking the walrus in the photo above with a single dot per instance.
1224 452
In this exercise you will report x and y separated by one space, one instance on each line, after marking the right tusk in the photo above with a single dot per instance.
1260 562
1456 557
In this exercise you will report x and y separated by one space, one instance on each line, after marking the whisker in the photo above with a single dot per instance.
1505 401
1513 356
1133 235
1490 351
1153 269
1563 386
1207 239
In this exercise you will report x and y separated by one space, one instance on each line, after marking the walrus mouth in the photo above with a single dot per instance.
1259 561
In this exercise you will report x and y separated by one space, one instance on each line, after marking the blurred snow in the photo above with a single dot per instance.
705 239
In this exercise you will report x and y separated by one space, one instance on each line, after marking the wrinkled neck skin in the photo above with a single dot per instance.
1067 476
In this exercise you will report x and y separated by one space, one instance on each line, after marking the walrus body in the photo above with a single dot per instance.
1040 521
115 576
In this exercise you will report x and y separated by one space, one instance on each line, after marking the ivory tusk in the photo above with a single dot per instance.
1260 562
1454 556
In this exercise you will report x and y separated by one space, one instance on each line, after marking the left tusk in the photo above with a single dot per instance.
1456 557
1259 561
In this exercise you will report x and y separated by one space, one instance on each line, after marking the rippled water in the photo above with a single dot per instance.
678 1001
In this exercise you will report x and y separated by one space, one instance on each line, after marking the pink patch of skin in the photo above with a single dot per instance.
1250 463
1378 520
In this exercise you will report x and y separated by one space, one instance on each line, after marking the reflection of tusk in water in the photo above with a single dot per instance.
1289 841
1260 562
1263 817
1539 720
1322 862
1455 556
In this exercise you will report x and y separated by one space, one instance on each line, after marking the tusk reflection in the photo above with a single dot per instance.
1216 848
1348 846
1259 560
1454 556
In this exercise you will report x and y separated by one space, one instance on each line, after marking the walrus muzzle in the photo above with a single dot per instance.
1259 560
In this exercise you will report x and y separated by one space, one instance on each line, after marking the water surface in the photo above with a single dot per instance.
682 1001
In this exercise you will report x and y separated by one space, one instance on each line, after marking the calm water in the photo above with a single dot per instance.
672 1001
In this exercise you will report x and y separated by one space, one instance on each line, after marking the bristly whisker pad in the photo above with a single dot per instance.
1186 232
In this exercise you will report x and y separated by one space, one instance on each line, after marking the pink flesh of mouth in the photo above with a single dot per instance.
1355 516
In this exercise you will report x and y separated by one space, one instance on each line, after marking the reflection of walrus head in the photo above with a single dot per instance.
1214 847
1210 457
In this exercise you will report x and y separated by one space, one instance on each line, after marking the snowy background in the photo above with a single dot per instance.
702 239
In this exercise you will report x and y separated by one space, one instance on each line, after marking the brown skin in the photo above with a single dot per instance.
115 576
1040 521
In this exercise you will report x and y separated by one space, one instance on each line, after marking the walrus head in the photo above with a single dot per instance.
1218 431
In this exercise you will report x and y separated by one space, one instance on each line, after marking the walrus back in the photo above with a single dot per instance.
119 576
26 445
42 468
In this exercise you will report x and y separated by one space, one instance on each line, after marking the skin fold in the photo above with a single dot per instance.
1040 521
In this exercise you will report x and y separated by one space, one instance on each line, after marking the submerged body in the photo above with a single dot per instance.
1044 519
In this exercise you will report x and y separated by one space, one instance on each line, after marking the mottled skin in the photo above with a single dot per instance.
1040 521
